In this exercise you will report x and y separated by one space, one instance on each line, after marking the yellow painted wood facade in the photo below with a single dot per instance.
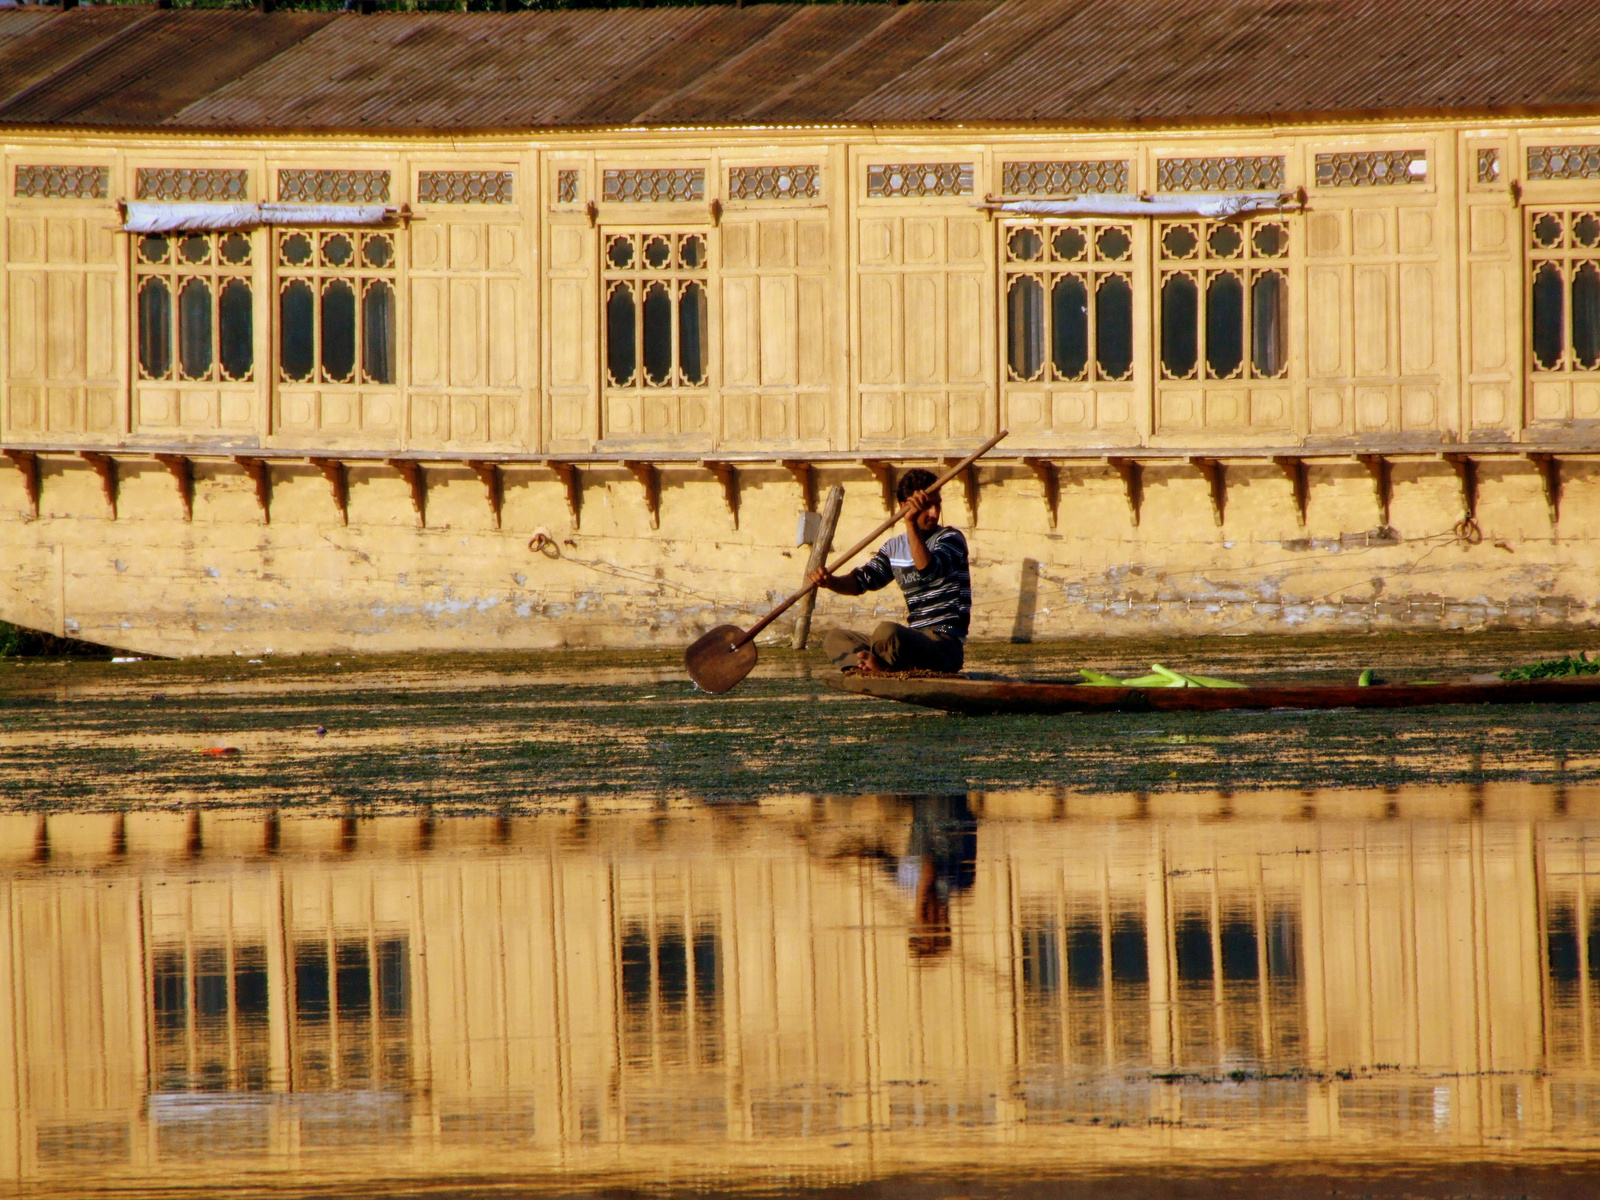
854 318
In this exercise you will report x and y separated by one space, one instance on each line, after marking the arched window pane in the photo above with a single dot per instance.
194 329
1113 327
1548 319
1268 344
1180 305
1224 325
1025 325
377 332
657 335
1586 316
1069 326
338 341
692 334
621 360
155 329
297 330
236 329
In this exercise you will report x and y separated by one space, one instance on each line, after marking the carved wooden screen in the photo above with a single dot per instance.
1068 317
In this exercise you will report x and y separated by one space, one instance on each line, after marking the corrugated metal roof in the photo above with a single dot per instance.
1067 61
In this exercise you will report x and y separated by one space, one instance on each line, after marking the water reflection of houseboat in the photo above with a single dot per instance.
705 992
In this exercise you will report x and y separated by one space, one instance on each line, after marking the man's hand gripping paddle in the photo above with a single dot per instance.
724 656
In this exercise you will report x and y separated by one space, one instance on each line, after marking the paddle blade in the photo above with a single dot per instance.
713 663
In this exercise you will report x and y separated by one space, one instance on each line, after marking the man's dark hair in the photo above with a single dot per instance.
915 480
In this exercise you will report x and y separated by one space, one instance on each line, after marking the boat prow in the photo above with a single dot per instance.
989 695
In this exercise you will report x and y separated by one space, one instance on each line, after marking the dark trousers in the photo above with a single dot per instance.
897 647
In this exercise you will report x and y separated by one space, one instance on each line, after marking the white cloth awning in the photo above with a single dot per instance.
192 218
1216 208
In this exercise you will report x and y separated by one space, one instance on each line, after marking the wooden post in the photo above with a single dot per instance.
831 508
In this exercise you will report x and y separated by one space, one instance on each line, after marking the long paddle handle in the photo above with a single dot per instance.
749 634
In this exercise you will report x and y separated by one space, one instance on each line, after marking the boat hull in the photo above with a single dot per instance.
983 697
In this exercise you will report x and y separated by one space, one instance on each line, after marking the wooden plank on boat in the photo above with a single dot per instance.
979 697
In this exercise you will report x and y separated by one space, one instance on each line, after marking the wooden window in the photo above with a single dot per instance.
336 306
1224 300
655 310
1069 301
1564 274
196 311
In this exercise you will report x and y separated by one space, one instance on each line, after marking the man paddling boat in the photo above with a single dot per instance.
929 562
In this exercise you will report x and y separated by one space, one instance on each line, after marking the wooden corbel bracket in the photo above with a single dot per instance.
1050 480
883 471
572 481
1215 474
1382 473
488 474
339 481
650 480
260 473
806 477
106 468
27 462
1549 468
1132 473
1466 469
728 476
1299 477
417 481
181 468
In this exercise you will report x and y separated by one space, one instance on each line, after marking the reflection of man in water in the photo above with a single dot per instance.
941 857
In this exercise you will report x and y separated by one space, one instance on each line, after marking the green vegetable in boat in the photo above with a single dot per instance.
1367 679
1211 681
1159 677
1554 668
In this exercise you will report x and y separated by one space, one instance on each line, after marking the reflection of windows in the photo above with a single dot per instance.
1069 302
1564 248
336 307
671 993
655 310
351 997
1223 300
209 1017
1572 967
1086 982
196 312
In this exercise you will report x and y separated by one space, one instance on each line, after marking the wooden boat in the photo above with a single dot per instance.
981 695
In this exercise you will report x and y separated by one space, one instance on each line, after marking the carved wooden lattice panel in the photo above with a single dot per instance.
657 345
301 186
893 180
566 187
673 184
466 187
64 183
191 183
772 183
1224 174
1564 162
1489 166
1372 168
1064 178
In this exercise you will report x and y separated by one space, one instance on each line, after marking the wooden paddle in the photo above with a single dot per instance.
718 660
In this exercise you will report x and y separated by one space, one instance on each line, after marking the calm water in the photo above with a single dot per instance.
486 933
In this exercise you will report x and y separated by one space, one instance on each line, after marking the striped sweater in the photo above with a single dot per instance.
938 598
